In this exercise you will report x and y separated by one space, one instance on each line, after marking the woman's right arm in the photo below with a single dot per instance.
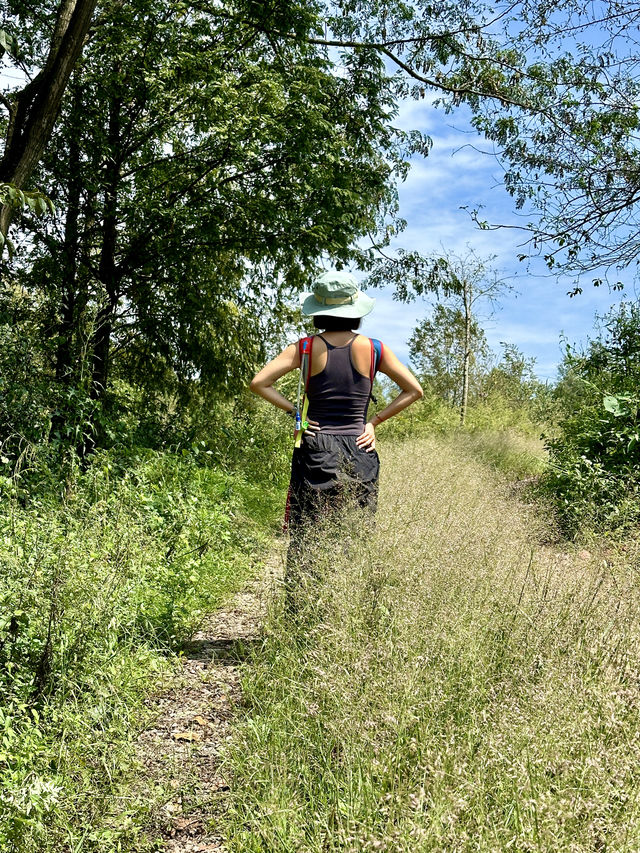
411 389
262 382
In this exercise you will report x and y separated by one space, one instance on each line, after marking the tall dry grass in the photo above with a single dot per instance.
448 685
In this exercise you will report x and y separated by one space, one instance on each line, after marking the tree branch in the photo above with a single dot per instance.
7 103
381 47
454 90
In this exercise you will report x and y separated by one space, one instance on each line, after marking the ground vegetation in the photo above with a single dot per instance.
454 683
201 162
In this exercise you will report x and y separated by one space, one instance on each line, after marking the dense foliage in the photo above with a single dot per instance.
97 593
504 391
595 469
205 160
438 348
595 452
207 156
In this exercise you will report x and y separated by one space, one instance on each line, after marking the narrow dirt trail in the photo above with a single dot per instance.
193 716
184 742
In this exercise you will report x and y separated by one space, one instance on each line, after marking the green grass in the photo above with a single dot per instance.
496 433
515 454
97 593
450 684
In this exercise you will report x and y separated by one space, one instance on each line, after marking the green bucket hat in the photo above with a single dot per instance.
336 294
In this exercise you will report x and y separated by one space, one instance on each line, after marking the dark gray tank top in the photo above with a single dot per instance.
339 394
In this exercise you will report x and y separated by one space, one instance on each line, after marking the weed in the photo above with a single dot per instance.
97 593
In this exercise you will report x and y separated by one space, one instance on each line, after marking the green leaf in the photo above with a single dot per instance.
614 405
8 43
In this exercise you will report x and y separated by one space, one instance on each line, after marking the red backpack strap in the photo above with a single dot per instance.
305 347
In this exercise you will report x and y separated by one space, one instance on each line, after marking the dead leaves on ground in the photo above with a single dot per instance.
192 735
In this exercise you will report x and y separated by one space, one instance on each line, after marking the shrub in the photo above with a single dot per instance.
594 476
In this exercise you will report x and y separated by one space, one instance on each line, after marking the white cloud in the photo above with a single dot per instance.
454 175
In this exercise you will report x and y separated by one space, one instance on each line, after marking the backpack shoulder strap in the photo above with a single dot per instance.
305 346
376 356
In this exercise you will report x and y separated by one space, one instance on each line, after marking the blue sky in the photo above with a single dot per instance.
538 311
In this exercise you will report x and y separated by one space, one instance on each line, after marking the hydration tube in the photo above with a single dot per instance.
301 417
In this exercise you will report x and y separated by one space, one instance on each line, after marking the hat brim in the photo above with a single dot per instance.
350 310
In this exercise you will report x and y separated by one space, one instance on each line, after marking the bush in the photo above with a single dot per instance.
497 412
25 405
517 455
430 415
594 475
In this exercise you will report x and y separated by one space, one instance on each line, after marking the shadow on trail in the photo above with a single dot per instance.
228 652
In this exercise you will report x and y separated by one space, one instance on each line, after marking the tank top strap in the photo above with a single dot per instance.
343 346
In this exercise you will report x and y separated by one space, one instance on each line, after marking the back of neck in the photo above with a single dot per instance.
339 339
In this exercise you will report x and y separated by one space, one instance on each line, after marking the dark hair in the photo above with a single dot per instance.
328 323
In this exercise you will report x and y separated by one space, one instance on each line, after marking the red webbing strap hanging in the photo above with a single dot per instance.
305 347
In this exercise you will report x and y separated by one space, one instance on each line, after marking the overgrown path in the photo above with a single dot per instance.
455 681
190 726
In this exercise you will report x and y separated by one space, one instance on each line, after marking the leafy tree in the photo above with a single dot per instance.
32 111
467 281
513 378
200 168
553 84
211 152
438 349
572 163
511 391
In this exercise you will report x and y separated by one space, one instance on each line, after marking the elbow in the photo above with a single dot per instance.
258 386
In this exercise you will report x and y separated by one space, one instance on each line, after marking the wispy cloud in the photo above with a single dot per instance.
455 175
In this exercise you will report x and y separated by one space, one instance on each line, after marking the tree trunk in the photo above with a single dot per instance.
70 268
107 270
468 317
35 108
67 325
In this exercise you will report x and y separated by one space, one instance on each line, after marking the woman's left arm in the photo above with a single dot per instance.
410 391
262 382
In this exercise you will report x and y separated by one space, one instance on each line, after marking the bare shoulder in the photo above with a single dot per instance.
362 342
285 362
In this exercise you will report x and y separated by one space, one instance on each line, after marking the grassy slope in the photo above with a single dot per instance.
453 685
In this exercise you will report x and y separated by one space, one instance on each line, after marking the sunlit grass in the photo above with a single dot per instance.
97 594
449 684
516 454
